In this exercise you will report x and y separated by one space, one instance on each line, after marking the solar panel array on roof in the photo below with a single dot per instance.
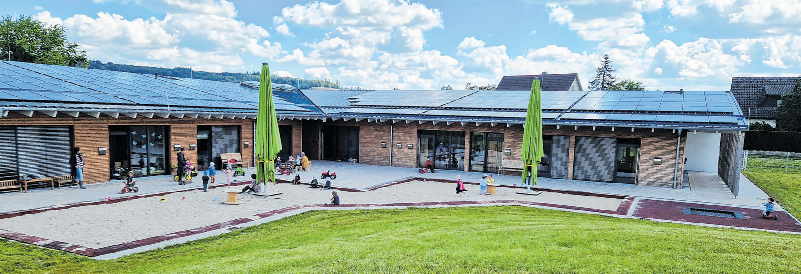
408 98
37 82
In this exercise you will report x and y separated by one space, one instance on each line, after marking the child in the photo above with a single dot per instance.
297 178
484 184
334 198
212 172
314 183
130 182
459 186
768 213
228 172
254 186
298 163
205 181
327 185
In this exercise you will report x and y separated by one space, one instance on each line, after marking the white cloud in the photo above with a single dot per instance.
283 29
701 58
208 7
780 12
283 73
686 8
470 43
647 5
377 14
624 29
316 73
362 28
481 58
214 41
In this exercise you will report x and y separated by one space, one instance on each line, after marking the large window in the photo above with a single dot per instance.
141 149
445 148
486 150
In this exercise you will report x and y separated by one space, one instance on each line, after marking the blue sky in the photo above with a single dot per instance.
384 44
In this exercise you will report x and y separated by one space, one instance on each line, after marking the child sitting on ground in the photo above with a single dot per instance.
254 186
768 213
297 178
327 185
334 198
314 183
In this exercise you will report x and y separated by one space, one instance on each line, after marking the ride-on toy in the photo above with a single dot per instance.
769 216
327 174
238 171
188 173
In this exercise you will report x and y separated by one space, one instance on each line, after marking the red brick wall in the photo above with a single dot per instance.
370 137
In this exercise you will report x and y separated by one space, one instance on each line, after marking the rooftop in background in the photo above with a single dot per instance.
758 97
700 110
548 82
28 86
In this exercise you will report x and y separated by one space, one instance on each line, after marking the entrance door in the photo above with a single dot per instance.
426 145
204 156
626 161
340 143
486 150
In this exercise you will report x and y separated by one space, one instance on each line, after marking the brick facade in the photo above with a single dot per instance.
91 133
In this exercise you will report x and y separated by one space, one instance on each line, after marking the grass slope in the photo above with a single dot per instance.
784 187
446 240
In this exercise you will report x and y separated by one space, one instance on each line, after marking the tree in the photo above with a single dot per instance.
33 41
627 84
446 87
760 126
788 113
604 80
470 86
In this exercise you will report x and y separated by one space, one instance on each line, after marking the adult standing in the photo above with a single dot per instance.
181 165
305 162
76 161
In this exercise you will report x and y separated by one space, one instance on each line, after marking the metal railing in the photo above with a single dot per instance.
775 161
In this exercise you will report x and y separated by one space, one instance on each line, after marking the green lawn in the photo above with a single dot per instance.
785 188
446 240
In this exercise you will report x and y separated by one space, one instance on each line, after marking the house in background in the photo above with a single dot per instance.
758 97
548 82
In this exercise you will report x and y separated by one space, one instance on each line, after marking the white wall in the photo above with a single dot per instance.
702 151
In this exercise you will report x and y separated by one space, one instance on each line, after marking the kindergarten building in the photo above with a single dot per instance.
133 121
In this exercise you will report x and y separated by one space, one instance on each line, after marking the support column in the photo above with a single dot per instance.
571 156
466 151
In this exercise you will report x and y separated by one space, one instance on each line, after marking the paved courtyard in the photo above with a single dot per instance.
165 213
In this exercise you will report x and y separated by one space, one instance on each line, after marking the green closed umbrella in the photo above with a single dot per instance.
268 140
532 135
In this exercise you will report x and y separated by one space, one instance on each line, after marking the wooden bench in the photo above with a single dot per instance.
38 180
62 179
237 159
10 184
511 167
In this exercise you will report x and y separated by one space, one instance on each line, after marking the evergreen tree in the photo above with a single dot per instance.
33 41
604 80
627 84
788 113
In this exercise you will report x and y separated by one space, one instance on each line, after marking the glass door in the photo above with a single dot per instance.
626 164
148 150
426 145
486 150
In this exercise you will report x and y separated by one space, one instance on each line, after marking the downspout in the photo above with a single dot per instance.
676 169
391 144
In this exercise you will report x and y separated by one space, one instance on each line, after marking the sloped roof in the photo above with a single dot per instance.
715 110
25 86
750 92
548 82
